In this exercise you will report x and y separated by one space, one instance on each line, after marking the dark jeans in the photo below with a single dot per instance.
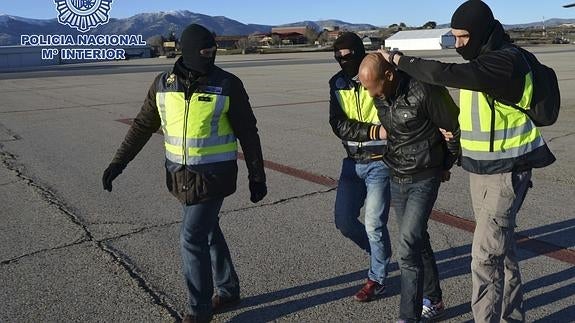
204 250
413 203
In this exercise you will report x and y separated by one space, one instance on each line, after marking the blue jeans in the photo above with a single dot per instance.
413 203
369 184
204 250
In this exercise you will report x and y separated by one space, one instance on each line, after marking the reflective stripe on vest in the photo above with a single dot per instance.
514 133
360 107
208 137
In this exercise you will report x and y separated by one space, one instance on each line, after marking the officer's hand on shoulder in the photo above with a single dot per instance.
258 191
113 171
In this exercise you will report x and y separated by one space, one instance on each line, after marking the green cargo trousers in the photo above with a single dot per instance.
497 291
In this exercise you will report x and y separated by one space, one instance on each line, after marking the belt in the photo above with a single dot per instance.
368 159
412 178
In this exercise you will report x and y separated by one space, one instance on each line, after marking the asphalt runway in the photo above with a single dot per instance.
71 252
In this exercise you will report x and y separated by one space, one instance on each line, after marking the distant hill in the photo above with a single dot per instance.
151 24
322 24
162 23
548 23
554 22
146 24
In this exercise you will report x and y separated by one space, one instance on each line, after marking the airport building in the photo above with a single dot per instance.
421 39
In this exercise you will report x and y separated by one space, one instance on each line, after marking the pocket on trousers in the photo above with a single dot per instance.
496 237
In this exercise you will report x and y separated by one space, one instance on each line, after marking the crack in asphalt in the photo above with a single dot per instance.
140 230
562 136
9 161
146 228
159 298
282 201
15 259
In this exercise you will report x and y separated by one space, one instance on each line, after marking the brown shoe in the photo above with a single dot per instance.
370 291
196 319
221 303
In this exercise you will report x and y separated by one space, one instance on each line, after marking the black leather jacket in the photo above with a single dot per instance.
412 118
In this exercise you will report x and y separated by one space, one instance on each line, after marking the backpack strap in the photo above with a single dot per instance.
511 104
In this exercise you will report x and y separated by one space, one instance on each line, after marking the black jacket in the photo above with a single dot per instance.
348 129
205 181
412 117
498 72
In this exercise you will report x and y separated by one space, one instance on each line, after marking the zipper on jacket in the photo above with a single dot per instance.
184 141
358 106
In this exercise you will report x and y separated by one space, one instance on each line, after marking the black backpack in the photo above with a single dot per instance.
546 100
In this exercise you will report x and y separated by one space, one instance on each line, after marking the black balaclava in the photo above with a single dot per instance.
351 41
194 38
475 17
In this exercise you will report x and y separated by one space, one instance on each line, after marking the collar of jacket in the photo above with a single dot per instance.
351 83
402 86
187 75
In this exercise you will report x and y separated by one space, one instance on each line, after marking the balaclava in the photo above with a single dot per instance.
475 17
351 41
194 38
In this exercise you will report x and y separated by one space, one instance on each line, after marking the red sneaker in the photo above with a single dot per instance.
370 291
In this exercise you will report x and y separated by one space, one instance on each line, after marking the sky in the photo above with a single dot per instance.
375 12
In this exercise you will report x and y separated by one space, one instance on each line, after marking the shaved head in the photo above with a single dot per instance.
375 74
374 66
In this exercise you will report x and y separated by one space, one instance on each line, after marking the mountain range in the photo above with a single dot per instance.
162 23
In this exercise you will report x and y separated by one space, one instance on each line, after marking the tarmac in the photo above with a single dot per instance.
72 252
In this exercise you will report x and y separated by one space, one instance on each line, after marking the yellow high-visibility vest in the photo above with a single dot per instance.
198 130
358 105
514 134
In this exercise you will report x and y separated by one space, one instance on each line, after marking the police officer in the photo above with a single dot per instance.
364 178
201 110
500 146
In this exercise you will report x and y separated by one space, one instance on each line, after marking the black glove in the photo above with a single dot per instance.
258 191
113 171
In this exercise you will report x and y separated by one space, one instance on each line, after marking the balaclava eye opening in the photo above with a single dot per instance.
351 41
195 38
475 17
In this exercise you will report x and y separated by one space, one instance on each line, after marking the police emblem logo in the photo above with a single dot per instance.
83 15
171 79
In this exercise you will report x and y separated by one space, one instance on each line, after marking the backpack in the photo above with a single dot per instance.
546 100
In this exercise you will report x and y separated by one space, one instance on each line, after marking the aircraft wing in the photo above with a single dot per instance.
569 5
